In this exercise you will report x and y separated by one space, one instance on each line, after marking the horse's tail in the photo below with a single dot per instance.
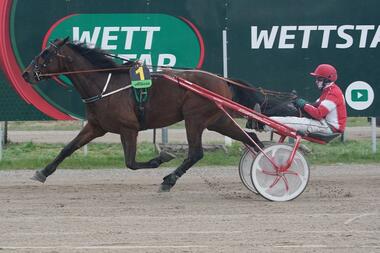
248 95
244 93
272 103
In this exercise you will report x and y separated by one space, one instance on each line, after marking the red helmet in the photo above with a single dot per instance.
326 71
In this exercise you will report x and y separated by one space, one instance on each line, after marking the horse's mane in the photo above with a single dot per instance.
99 58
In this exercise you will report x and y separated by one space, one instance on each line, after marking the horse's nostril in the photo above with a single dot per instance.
25 75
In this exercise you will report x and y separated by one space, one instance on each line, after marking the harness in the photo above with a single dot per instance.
103 94
140 83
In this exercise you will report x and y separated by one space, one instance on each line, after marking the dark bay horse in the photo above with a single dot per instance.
90 72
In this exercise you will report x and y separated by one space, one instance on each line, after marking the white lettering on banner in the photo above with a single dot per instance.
147 59
345 36
128 56
287 37
326 34
149 35
376 39
306 34
86 36
284 36
129 35
364 33
163 57
164 60
107 37
113 33
110 36
268 40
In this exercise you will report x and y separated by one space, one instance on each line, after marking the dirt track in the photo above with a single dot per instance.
175 136
208 211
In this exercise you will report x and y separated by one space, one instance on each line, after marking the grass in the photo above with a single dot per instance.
36 156
77 124
357 121
70 125
349 152
64 125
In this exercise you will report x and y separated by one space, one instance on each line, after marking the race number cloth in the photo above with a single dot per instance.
140 77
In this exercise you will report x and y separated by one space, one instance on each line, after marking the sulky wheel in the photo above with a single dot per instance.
245 166
274 185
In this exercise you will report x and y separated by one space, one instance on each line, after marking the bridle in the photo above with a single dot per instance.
46 56
37 67
49 55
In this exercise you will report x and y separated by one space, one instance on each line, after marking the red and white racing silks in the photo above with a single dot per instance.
330 106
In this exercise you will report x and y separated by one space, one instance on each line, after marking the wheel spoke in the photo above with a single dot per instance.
286 183
302 177
275 181
290 172
266 172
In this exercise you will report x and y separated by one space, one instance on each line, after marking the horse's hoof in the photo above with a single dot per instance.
166 156
38 176
164 188
169 182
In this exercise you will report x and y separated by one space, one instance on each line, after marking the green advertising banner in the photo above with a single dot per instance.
283 41
273 44
13 107
156 33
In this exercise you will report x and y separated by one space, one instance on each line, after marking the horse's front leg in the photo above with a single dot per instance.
129 141
88 133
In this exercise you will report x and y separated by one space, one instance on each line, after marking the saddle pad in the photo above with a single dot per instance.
140 77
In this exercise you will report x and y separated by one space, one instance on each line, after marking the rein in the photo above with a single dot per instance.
84 71
265 92
240 85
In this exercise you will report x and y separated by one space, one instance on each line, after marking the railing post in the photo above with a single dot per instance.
2 139
227 140
85 147
373 134
164 136
5 133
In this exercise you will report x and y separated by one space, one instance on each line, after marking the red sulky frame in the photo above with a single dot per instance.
280 129
222 102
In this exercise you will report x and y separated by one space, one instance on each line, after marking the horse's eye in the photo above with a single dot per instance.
44 54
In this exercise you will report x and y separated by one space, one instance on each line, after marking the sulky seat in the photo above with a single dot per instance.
323 136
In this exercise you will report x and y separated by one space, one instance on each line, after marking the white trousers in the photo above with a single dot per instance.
305 124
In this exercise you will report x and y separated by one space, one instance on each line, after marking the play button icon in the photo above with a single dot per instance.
359 95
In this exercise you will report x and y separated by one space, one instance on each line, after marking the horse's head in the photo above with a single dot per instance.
48 61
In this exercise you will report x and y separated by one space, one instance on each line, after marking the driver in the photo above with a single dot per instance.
328 112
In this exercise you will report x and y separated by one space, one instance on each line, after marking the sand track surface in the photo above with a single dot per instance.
209 210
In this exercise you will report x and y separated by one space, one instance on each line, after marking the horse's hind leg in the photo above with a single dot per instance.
88 133
129 142
194 130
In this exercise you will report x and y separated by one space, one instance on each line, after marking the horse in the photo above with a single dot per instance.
94 74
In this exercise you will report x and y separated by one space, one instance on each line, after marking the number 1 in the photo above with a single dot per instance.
140 72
